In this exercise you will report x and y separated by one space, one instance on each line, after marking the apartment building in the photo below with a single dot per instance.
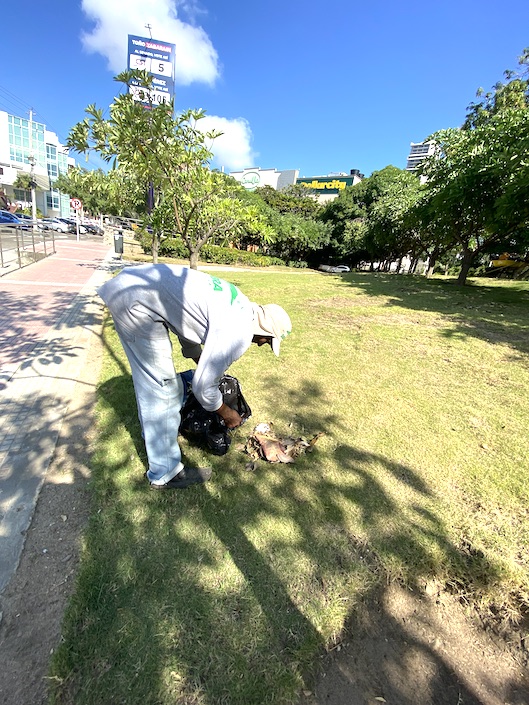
27 147
418 153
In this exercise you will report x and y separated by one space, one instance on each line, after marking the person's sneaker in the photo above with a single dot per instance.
187 476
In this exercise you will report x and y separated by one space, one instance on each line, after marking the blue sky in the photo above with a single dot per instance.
317 86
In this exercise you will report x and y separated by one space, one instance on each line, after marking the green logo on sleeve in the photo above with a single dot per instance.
234 292
218 285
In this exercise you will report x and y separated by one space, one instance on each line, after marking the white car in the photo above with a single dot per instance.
59 225
338 269
67 225
73 226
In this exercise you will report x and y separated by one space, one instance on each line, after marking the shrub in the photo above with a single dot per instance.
175 247
229 255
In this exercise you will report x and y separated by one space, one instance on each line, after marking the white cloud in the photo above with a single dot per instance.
232 150
196 58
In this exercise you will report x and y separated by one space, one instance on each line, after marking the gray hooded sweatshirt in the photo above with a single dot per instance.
211 317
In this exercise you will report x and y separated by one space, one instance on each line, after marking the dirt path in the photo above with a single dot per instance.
406 649
33 604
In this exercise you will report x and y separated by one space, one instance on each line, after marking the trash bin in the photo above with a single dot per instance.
118 243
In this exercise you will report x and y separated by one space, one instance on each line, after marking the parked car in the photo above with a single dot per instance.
334 269
59 225
73 226
93 229
44 224
7 218
41 223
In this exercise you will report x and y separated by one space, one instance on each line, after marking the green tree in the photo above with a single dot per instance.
294 232
478 179
390 195
167 156
370 220
505 111
346 216
432 239
114 193
293 199
297 239
24 181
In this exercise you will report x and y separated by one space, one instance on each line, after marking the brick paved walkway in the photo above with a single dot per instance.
50 315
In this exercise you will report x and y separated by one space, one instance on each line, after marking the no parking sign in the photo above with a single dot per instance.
76 204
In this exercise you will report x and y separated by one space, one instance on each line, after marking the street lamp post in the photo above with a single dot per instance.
32 161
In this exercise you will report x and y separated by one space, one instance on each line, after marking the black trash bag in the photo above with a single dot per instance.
208 425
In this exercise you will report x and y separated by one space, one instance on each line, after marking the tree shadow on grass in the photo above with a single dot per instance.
409 648
219 594
496 314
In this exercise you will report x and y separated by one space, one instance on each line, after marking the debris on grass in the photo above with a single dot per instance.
265 444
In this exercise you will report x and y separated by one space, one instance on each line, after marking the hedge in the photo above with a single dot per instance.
174 247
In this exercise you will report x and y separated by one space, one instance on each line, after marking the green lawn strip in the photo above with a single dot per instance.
226 593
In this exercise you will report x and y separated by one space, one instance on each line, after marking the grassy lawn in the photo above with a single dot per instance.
226 593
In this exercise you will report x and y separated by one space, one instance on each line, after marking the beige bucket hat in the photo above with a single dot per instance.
272 321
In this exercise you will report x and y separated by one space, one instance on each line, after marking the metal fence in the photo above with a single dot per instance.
20 246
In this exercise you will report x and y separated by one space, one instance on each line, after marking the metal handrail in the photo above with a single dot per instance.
21 245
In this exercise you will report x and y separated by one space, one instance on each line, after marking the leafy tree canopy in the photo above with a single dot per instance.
477 179
166 156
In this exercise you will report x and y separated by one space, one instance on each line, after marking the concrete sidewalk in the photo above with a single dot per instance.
50 317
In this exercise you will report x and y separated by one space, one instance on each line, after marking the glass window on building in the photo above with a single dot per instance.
29 136
65 205
62 160
53 172
51 152
15 155
22 195
53 200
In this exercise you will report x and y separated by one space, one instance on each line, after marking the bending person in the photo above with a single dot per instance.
215 324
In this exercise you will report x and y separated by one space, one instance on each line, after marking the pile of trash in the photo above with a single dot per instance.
265 444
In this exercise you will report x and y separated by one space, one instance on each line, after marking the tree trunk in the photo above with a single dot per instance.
155 248
193 260
468 257
432 261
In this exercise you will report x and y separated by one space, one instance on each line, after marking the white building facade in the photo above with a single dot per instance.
256 177
418 153
26 146
322 188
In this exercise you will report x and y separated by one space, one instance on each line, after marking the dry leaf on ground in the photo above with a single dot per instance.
264 443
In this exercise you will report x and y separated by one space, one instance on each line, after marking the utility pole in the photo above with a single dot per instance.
32 161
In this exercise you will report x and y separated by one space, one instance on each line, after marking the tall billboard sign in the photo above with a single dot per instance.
158 59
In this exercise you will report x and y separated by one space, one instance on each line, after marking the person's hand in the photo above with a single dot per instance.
231 418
